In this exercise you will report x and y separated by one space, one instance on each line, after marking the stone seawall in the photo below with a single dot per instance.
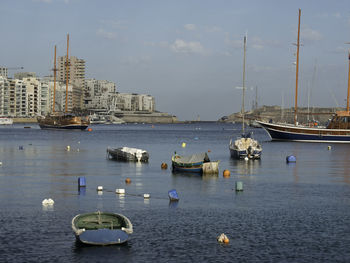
148 118
276 114
157 117
24 120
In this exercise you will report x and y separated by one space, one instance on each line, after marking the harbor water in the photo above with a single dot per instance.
287 212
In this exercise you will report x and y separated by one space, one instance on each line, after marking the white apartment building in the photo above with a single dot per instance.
76 77
4 72
98 93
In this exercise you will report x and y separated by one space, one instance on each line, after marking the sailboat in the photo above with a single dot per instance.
62 120
245 146
337 130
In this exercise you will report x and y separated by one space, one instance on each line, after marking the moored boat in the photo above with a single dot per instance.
190 163
6 121
245 146
128 154
337 130
101 228
63 121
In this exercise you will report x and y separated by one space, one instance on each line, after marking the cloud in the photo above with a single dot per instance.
190 27
181 46
114 24
136 60
105 34
311 35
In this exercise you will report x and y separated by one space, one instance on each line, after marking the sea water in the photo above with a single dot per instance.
296 212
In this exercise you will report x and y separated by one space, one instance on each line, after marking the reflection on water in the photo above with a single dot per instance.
48 208
243 167
173 204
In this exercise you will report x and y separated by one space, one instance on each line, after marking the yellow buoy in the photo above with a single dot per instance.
164 166
128 180
183 145
226 173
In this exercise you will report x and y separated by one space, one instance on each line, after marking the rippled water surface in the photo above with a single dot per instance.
287 212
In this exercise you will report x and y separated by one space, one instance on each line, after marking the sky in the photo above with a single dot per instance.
188 54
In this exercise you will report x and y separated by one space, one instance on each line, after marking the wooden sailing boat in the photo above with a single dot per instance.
62 120
245 146
337 130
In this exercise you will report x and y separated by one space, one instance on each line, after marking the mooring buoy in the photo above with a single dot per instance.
239 186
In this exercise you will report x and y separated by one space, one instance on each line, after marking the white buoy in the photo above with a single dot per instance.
223 239
120 191
329 147
146 196
0 163
239 186
68 148
100 188
246 158
48 202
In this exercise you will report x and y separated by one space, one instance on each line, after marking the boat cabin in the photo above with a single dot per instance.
341 120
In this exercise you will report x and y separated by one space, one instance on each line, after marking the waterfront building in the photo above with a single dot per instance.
4 72
22 75
98 93
76 77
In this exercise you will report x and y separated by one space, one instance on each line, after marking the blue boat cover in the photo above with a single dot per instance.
103 237
291 159
173 196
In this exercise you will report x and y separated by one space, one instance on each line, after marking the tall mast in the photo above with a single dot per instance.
297 72
54 83
347 100
67 71
243 88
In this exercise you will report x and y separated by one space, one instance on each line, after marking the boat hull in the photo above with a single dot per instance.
63 122
189 164
63 127
133 155
304 134
6 121
241 154
193 168
101 228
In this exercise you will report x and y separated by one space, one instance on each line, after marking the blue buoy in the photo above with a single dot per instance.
291 159
81 182
173 196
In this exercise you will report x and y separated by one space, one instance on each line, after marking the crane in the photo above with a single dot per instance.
15 68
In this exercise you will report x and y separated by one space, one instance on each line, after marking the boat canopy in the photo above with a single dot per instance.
194 158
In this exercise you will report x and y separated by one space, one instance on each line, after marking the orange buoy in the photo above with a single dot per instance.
164 166
89 129
226 173
209 151
226 240
127 180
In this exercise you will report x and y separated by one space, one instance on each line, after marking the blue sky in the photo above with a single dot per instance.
188 54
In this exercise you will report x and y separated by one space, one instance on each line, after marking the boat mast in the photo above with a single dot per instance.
297 71
54 83
243 88
67 71
347 100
